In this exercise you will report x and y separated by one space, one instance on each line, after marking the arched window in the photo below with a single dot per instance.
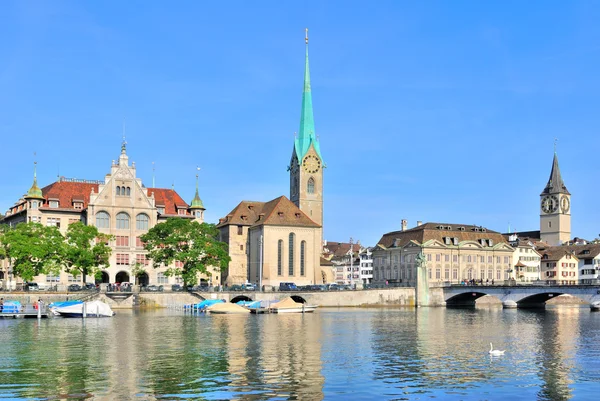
118 191
291 256
102 220
142 221
280 257
122 221
310 186
128 191
302 256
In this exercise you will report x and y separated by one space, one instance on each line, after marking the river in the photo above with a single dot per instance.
333 354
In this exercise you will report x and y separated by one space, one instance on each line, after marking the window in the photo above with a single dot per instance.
78 205
181 212
34 205
279 257
54 204
160 209
162 279
122 221
455 258
141 260
498 274
122 259
310 186
291 255
142 221
122 240
102 220
139 243
74 279
429 257
71 221
447 258
52 278
454 274
498 260
240 230
302 256
53 222
128 192
438 257
241 247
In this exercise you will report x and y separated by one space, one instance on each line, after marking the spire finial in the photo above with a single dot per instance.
555 142
124 142
197 171
34 165
153 174
306 36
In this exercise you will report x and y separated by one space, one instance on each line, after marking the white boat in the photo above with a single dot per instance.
288 305
91 309
226 308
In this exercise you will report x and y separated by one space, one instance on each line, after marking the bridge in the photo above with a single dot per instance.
519 296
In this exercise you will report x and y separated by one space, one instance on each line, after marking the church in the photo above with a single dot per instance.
281 240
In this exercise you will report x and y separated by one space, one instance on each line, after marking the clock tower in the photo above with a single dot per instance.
306 165
555 209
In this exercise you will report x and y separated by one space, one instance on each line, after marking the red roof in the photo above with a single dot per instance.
169 199
67 192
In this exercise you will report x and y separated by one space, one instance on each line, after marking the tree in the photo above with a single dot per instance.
193 244
33 249
86 250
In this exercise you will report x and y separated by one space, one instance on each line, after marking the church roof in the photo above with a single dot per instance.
438 231
277 212
555 182
306 136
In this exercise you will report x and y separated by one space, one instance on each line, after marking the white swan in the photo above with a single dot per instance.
495 352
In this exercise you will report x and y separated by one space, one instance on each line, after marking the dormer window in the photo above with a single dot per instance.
160 209
53 204
280 214
78 205
181 212
455 240
491 242
297 215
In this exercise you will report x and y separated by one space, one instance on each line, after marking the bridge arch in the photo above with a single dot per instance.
240 298
299 299
467 298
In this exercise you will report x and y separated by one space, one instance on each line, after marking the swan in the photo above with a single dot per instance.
495 352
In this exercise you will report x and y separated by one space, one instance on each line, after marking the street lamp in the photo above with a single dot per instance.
351 272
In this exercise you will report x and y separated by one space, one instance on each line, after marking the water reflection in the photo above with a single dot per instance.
332 354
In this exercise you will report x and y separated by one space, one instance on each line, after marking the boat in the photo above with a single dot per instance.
288 305
91 309
54 305
226 308
202 306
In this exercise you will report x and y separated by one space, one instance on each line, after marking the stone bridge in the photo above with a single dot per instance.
520 296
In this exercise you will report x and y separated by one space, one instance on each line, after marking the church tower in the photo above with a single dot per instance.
555 209
306 165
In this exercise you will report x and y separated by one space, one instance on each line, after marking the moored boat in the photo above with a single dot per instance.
288 305
91 309
226 308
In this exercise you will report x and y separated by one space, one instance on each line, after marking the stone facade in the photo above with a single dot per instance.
453 253
120 206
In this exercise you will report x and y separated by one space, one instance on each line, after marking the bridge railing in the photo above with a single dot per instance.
514 283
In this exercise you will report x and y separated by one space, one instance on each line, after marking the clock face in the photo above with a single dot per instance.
565 204
311 164
549 204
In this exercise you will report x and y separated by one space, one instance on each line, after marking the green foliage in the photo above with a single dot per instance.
33 249
86 250
194 244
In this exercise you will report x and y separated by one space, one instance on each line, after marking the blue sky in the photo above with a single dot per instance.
433 111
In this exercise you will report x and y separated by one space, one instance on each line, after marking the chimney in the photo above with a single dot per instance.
404 224
419 223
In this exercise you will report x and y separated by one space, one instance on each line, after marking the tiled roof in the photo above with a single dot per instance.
340 248
555 182
437 231
325 262
587 251
554 253
167 198
67 192
278 212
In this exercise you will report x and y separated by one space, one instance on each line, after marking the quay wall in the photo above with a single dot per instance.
401 296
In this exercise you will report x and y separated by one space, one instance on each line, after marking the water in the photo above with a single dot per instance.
333 354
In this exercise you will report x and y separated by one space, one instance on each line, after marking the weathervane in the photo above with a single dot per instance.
306 36
555 141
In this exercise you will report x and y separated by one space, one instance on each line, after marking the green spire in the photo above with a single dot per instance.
306 135
35 192
197 202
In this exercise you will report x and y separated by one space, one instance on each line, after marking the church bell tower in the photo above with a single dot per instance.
306 165
555 209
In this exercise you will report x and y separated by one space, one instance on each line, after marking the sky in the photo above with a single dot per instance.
435 111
